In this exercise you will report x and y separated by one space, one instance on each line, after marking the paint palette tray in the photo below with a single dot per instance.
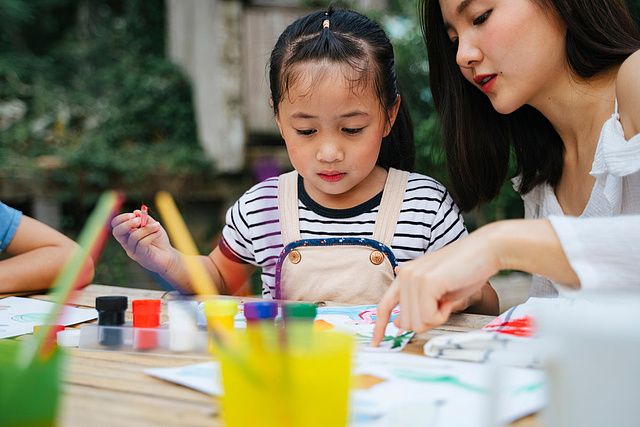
143 340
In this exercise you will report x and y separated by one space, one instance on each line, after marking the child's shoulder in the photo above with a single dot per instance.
266 187
258 202
425 183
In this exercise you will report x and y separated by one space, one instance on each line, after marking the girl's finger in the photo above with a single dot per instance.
121 229
120 219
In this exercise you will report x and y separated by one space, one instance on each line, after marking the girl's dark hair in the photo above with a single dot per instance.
478 139
351 39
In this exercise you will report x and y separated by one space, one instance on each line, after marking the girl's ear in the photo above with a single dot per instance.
393 113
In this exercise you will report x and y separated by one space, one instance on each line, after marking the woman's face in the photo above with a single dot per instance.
512 50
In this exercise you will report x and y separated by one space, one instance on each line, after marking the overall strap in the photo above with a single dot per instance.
390 205
288 207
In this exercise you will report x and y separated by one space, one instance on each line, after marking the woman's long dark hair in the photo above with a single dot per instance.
478 139
351 39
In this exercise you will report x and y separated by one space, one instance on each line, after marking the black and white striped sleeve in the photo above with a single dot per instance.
448 224
236 243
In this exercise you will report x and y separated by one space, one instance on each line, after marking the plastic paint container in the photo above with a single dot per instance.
111 311
146 314
183 326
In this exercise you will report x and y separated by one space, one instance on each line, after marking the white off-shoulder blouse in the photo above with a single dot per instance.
603 243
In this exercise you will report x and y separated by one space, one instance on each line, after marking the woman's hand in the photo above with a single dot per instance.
149 246
429 288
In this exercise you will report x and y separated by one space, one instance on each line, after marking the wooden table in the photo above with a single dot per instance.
105 388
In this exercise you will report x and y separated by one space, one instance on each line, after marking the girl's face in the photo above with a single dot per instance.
512 50
333 132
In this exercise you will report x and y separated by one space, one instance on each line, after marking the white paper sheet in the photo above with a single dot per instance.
18 315
419 391
359 320
416 391
204 377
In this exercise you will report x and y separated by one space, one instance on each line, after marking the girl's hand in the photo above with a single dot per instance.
149 246
429 288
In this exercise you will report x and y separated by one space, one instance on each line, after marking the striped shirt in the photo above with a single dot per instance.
429 220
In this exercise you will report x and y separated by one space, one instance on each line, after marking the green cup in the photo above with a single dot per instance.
29 395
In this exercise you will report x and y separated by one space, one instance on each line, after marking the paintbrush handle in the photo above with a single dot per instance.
91 240
200 278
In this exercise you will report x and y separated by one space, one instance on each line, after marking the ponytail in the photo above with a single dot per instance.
398 150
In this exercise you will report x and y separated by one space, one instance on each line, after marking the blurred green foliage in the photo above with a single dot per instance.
88 101
95 102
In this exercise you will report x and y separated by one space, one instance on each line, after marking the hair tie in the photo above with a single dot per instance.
325 23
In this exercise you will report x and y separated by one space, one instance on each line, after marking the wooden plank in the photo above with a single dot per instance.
87 297
125 372
88 406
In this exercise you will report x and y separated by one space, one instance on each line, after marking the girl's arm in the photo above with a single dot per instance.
38 253
150 247
229 277
234 276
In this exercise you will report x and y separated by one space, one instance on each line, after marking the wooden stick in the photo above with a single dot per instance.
91 243
179 233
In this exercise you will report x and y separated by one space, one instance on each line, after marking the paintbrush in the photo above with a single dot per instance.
199 277
90 244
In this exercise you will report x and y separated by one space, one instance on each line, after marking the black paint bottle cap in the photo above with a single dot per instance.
111 303
111 310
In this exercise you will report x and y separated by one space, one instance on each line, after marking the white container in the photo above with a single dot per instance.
593 361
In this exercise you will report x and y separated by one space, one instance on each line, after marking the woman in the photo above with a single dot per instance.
555 81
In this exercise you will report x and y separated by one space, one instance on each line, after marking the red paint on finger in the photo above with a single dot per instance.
144 216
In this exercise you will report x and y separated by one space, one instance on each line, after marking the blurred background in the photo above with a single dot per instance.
143 95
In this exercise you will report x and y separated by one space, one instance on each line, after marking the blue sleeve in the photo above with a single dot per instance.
9 222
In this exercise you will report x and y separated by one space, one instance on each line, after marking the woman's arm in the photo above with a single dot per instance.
427 288
604 252
38 253
529 245
628 94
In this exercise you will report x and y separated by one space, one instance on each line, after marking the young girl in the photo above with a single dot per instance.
37 252
557 82
335 228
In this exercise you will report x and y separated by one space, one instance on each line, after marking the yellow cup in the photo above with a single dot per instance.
280 383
